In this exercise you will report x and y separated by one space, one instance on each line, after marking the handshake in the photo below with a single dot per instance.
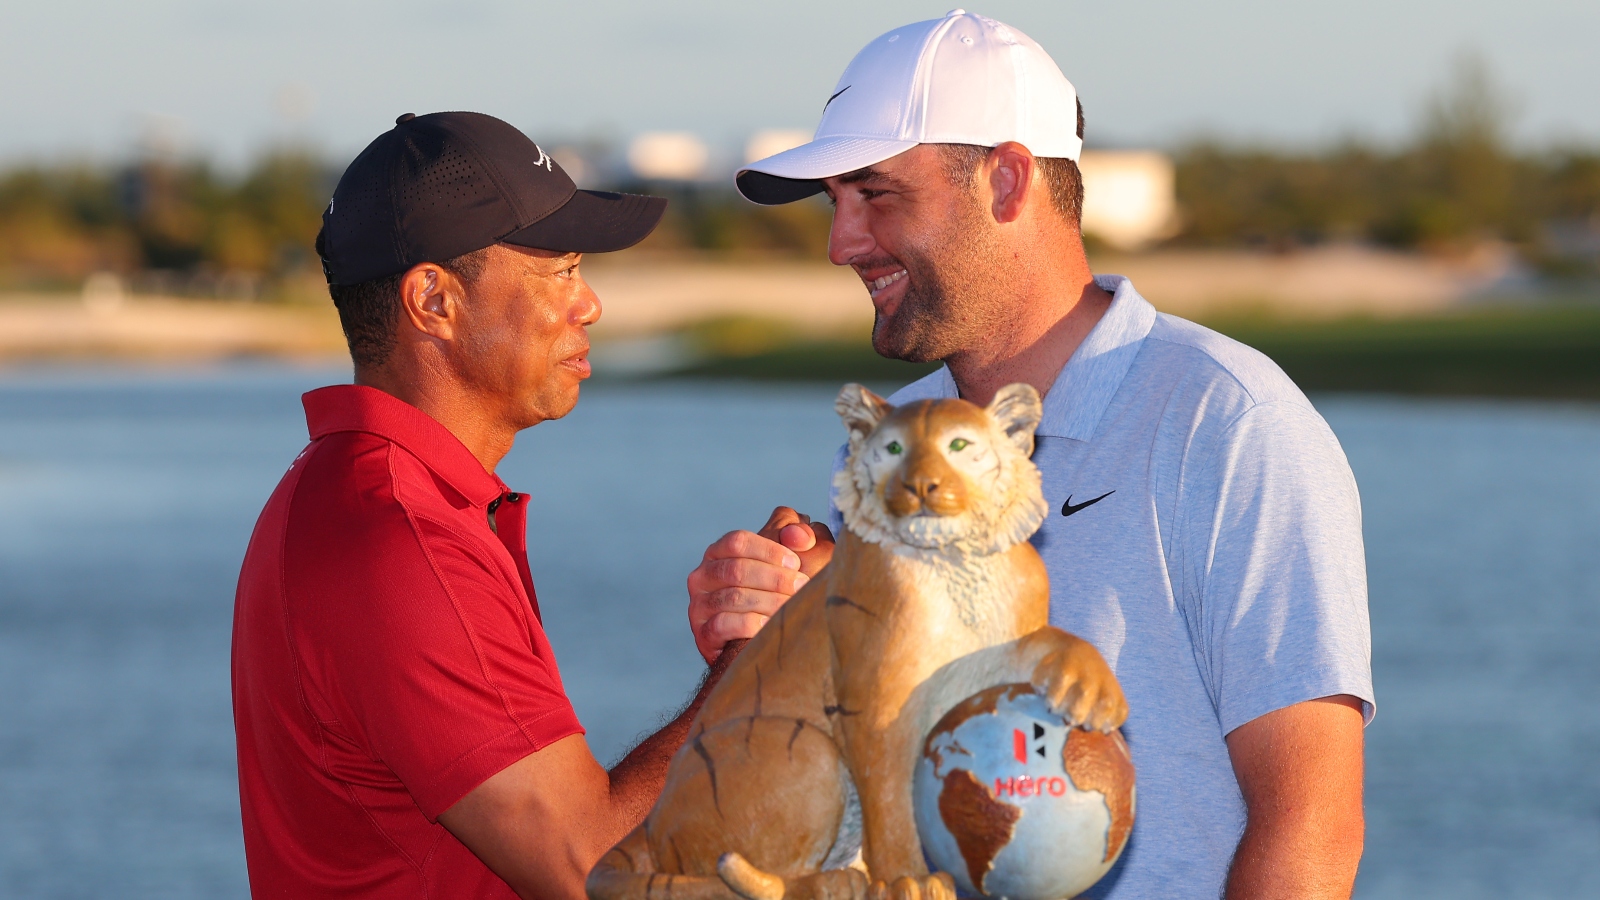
745 577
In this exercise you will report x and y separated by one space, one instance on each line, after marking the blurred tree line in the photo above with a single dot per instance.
186 227
718 220
184 220
1456 183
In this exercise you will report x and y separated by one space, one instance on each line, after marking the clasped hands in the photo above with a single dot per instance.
745 576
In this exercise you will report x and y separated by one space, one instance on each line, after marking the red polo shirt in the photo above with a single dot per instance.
387 657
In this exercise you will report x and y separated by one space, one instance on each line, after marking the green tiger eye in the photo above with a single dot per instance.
893 448
959 444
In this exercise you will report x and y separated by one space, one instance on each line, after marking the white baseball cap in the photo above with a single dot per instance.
962 79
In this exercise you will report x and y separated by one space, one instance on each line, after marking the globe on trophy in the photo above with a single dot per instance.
1015 803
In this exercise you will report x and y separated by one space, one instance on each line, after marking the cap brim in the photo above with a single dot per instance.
795 174
593 222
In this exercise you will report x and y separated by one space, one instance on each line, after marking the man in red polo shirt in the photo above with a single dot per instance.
402 726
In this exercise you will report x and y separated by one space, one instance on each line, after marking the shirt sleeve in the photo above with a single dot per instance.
1275 570
437 666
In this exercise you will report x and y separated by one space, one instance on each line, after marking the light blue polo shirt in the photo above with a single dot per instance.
1205 535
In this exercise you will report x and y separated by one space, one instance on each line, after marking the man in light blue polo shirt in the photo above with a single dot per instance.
1206 534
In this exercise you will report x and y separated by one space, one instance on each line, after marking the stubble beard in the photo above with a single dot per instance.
949 306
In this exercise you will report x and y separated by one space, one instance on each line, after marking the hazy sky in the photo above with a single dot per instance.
227 77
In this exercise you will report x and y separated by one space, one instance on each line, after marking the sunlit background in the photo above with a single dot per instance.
1399 202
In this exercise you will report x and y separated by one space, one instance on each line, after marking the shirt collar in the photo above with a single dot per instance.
1086 384
354 407
1083 390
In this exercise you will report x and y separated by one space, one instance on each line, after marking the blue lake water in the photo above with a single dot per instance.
126 499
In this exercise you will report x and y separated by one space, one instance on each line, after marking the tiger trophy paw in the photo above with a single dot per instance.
1080 687
938 886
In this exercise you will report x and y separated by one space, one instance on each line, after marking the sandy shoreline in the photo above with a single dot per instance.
1325 282
650 297
156 329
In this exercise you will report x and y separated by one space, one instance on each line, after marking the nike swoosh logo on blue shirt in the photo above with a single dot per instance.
1068 509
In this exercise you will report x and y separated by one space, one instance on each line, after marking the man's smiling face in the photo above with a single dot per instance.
925 247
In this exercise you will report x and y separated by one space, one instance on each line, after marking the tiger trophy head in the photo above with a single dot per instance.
946 477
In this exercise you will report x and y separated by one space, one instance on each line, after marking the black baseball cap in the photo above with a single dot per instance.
440 185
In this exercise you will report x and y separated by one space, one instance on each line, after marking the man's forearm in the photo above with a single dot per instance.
637 780
542 822
1300 861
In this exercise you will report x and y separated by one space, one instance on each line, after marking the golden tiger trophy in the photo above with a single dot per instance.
909 706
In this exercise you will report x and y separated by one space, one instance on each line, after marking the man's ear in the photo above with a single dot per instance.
1010 167
430 300
1017 410
861 411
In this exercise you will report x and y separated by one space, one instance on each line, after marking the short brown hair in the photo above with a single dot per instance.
369 312
1061 174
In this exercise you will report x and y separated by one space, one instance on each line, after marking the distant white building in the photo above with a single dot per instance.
772 141
1129 197
668 156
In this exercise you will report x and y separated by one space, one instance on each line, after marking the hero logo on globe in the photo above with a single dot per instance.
1023 748
1028 786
